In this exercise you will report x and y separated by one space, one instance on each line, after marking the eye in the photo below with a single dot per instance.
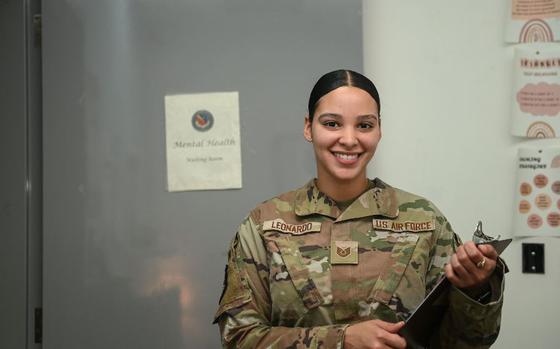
330 124
366 125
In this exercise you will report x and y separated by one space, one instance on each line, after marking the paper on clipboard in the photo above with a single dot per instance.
420 325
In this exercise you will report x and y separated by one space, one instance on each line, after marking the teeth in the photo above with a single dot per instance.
346 156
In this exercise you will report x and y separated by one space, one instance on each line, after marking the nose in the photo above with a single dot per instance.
348 137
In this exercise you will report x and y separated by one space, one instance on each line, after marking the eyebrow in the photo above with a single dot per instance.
338 116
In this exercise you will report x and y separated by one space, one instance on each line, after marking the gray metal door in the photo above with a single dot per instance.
127 264
20 174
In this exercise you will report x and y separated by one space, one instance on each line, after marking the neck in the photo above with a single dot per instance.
342 190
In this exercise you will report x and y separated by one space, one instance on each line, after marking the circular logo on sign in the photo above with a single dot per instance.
202 120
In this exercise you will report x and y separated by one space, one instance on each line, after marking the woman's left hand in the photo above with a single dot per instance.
471 265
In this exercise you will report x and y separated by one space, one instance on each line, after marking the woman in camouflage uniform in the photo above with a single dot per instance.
340 262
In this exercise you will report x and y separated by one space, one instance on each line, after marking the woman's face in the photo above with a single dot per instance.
345 132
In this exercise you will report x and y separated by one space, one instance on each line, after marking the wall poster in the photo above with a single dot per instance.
536 91
203 142
533 21
537 195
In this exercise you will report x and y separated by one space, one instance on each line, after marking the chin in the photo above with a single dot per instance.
346 177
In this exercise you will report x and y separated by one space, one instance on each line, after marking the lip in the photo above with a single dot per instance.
346 158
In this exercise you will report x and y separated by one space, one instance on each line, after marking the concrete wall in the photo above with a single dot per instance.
444 74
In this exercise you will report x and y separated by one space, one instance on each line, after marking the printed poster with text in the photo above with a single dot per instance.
536 91
203 144
533 21
537 196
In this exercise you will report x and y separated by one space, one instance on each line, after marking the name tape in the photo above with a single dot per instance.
294 229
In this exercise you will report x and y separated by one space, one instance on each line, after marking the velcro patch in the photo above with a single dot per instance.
344 252
400 226
294 229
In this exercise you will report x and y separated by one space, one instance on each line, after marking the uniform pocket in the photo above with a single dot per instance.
392 273
300 272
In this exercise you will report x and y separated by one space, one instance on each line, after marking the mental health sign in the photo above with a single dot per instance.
203 142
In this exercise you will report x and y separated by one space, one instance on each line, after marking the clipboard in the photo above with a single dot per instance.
427 316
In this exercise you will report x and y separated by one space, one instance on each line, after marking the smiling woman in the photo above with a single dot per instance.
345 134
340 262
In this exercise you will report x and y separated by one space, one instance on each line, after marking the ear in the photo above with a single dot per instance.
379 126
307 130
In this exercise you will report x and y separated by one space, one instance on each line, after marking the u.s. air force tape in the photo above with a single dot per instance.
294 229
400 226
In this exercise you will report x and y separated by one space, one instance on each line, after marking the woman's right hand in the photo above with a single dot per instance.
374 334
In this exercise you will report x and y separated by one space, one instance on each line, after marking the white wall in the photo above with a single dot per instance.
444 75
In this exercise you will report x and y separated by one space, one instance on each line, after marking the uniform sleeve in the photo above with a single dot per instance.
467 323
244 308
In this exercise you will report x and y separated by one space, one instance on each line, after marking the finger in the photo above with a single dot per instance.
474 254
485 270
469 257
393 340
463 267
488 260
489 251
389 326
448 271
464 278
451 276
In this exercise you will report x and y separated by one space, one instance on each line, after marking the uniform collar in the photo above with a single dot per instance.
381 200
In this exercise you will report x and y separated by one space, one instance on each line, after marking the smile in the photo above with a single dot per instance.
346 158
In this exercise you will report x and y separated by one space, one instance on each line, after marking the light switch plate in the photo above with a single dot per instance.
533 258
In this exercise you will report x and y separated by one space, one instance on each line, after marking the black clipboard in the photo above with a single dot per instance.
427 316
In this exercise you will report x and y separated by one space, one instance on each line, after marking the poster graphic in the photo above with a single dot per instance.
531 21
202 140
537 195
536 91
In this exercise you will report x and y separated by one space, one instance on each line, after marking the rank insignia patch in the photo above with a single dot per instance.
344 252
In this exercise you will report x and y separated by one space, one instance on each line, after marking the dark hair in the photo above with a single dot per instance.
335 79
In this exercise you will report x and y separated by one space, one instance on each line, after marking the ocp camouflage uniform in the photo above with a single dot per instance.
283 291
